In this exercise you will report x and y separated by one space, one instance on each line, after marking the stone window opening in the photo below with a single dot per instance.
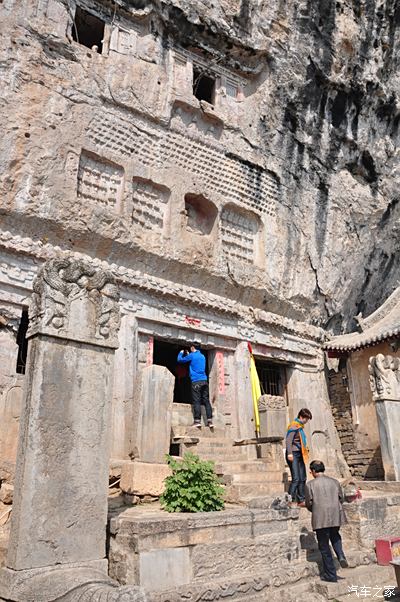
22 343
88 30
203 86
165 353
231 89
272 377
200 213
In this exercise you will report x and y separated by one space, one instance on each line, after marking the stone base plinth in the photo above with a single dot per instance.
254 554
65 583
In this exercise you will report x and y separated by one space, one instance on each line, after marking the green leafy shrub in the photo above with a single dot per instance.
192 487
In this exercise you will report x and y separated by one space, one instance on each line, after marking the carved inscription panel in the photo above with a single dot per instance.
100 181
149 203
238 234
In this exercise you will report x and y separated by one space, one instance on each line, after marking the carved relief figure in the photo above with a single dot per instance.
62 281
384 371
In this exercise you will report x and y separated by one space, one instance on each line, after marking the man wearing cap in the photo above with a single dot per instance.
198 377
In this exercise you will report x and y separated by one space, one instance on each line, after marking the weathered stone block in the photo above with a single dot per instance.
140 478
273 423
155 414
164 569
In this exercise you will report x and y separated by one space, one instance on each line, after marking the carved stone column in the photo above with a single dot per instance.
243 395
58 530
385 384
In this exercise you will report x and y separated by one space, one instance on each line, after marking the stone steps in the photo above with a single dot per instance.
241 492
272 476
220 453
220 448
242 467
219 458
215 445
204 432
371 577
248 554
244 479
251 479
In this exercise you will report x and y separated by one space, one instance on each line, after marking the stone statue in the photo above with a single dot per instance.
384 376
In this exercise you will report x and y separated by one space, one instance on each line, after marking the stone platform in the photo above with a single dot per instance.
251 554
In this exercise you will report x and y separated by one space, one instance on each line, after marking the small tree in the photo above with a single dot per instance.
192 487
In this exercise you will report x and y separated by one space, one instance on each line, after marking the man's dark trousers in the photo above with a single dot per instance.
298 474
323 537
200 396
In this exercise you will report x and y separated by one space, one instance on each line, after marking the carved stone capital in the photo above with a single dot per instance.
384 377
74 300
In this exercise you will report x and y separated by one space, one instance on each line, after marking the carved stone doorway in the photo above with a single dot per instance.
165 353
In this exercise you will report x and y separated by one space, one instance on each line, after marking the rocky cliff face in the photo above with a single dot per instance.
320 109
328 113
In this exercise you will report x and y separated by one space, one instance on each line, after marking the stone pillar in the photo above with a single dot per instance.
154 414
384 373
58 530
243 397
219 381
124 389
10 383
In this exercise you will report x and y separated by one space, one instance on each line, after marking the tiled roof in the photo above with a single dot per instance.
383 324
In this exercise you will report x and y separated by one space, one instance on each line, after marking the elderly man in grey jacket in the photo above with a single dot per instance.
324 498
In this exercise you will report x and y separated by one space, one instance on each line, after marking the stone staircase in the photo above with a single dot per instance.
247 480
244 477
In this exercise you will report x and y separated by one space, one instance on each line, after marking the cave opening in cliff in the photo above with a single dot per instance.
22 342
88 30
203 86
165 353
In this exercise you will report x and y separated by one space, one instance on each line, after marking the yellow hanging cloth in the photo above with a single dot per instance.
255 389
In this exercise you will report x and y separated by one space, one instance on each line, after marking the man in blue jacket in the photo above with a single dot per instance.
198 377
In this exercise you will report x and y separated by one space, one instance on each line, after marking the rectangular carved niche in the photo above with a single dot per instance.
100 181
149 202
123 40
238 234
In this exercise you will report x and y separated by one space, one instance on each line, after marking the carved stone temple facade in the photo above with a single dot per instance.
221 172
143 171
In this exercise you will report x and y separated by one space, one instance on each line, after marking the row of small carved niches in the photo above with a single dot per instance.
146 204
